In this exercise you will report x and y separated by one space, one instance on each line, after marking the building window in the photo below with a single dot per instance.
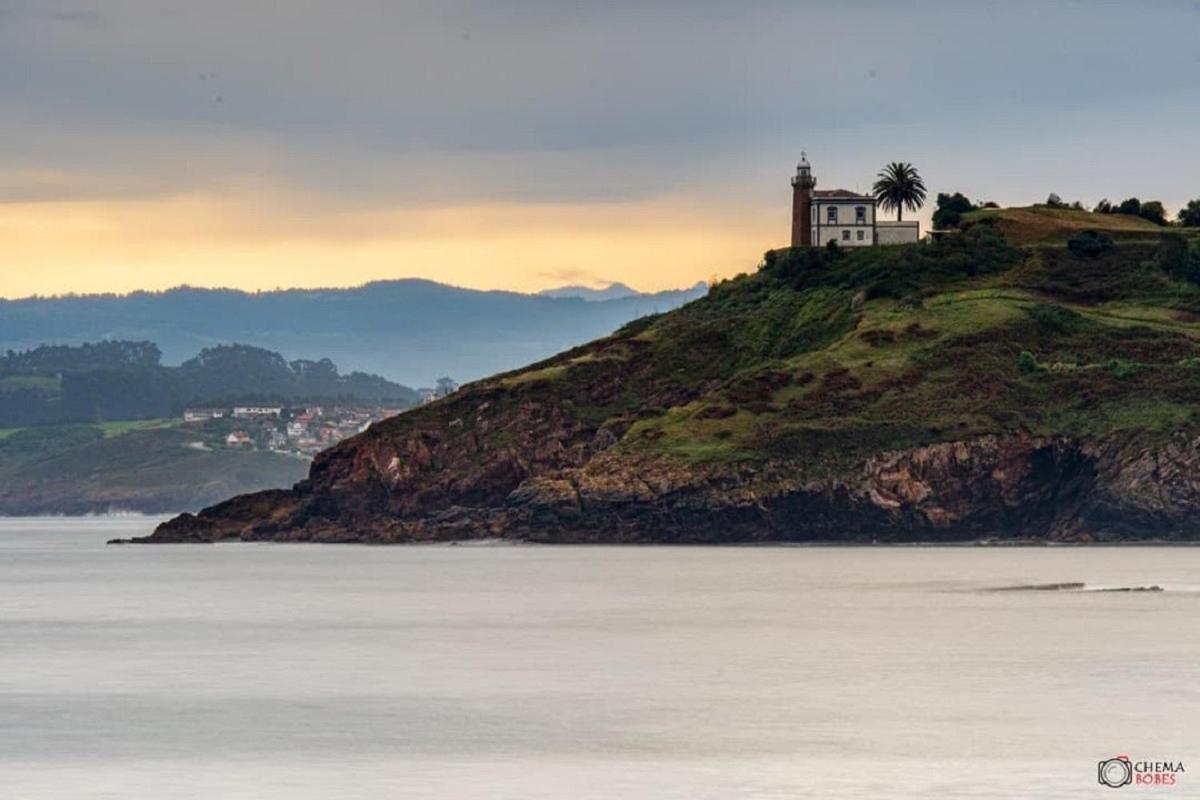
845 236
860 235
860 215
831 215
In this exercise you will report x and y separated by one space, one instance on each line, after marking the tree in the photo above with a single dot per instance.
1153 211
950 208
1189 215
1131 206
1054 201
1104 207
899 186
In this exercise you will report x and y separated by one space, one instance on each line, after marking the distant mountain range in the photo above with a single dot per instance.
411 331
614 291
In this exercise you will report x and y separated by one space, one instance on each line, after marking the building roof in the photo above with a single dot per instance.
841 194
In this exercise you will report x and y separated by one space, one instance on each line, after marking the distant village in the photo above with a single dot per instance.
301 431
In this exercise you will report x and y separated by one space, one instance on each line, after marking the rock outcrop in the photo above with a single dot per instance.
1015 488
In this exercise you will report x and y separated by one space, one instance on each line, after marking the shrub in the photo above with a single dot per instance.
1089 243
1027 363
1057 319
1122 369
1179 259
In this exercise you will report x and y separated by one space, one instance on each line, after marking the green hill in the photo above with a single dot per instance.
1004 382
152 466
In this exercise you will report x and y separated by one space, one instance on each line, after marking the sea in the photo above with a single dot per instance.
284 671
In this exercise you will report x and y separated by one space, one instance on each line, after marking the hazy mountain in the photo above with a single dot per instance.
411 331
613 291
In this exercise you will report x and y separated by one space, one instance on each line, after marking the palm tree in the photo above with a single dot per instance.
899 187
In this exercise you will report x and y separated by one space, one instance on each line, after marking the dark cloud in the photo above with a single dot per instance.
546 101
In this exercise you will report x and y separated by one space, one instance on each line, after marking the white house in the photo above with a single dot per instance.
238 439
247 412
840 215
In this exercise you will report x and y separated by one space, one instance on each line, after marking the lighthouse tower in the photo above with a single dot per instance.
802 193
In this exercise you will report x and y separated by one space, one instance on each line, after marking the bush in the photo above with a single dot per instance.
1179 259
1027 363
1122 369
1057 319
1054 201
1089 243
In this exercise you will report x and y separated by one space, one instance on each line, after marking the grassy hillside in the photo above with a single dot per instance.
1034 224
826 358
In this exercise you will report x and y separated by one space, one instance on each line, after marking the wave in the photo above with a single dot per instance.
1075 586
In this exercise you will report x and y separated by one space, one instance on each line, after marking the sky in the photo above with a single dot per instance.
533 143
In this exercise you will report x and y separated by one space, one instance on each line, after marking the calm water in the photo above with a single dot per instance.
291 671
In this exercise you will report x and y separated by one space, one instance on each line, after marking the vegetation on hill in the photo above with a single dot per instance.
895 348
153 467
994 382
1189 215
125 380
1048 225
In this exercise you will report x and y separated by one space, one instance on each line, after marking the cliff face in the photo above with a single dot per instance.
1017 487
932 393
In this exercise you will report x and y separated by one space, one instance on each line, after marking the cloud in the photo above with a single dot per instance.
360 109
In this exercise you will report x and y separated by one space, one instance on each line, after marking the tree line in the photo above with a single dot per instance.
951 208
119 380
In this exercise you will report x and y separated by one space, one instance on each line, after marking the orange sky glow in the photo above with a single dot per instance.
272 242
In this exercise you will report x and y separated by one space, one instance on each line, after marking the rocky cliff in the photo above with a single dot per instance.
957 391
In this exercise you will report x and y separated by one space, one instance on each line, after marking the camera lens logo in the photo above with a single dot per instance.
1116 772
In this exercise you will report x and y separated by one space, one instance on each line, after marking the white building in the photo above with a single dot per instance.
248 412
201 414
842 216
238 439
